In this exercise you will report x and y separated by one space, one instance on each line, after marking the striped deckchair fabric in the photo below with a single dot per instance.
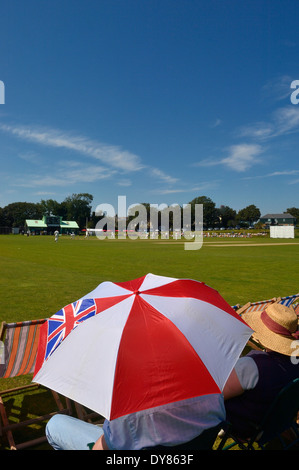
20 347
259 306
18 350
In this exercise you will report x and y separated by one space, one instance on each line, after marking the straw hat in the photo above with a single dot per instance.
276 328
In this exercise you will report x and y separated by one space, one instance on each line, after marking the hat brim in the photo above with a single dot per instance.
278 343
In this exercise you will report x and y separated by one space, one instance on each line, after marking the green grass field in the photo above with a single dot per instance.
40 276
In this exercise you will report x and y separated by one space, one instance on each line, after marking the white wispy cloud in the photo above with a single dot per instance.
216 123
30 157
169 191
45 193
111 155
82 174
274 174
259 130
124 182
283 121
204 186
286 120
162 176
113 158
277 88
207 162
240 157
284 172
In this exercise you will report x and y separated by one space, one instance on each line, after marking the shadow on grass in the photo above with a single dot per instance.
21 407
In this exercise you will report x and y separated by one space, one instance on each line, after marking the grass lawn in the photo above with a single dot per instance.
40 276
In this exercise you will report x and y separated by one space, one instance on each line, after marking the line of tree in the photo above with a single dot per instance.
78 207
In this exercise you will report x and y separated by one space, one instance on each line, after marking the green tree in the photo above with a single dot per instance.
2 217
227 216
294 211
78 207
52 207
249 214
16 213
210 213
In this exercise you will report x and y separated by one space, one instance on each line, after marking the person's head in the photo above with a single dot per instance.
276 328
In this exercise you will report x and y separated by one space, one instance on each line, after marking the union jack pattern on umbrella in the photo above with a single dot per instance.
64 321
58 327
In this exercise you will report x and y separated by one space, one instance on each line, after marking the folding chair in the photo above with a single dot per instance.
85 414
204 441
19 343
279 418
261 305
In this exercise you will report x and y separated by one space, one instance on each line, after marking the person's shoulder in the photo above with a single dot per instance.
247 372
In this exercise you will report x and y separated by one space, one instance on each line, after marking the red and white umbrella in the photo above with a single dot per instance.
131 346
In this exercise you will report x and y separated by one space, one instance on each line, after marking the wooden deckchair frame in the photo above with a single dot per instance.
290 300
88 415
278 418
20 347
258 306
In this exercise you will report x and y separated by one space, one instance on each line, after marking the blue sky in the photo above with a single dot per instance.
158 100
